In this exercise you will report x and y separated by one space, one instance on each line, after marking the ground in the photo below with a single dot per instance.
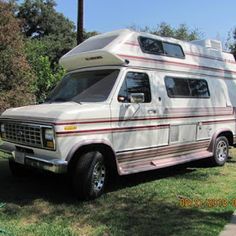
186 200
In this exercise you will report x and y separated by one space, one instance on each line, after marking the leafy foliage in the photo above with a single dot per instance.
233 46
182 32
16 76
90 34
49 35
47 77
230 44
40 20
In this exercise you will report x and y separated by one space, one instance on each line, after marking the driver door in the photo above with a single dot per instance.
134 113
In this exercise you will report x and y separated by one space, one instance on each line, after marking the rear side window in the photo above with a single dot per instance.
157 47
186 88
135 83
173 50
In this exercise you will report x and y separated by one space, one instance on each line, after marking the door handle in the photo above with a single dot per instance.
152 111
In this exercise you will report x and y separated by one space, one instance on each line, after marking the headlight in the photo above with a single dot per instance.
3 131
49 134
48 138
2 128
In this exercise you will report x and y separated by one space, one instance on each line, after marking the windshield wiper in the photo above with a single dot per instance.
62 100
56 100
59 100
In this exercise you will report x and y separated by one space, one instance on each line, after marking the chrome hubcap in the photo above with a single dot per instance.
99 174
221 151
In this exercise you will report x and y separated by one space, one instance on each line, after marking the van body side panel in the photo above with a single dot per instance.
188 127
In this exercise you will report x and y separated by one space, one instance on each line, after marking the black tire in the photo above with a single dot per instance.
19 170
87 185
221 151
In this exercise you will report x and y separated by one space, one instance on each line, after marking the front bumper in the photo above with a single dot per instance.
55 166
52 165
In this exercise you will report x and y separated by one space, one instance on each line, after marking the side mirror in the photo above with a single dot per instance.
121 99
137 97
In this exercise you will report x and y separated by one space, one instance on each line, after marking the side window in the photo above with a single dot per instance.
135 83
152 46
157 47
199 88
177 87
173 50
190 88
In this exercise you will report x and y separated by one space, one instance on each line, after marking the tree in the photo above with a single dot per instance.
90 34
49 35
230 44
16 76
182 32
41 21
233 45
47 77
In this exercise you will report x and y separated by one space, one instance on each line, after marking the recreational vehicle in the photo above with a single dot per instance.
129 102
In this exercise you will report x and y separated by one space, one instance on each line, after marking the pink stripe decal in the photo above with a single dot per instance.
137 119
134 128
192 54
218 121
124 129
132 44
181 64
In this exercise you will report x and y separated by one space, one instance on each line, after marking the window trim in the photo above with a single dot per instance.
124 80
181 96
162 42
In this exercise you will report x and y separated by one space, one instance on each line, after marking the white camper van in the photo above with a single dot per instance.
130 102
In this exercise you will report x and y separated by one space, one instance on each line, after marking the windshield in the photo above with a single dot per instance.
88 86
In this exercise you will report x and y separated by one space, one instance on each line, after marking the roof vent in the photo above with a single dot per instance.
209 43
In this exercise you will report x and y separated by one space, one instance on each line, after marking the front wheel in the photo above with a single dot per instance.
90 176
221 151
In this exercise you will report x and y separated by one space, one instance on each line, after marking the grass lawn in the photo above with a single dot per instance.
187 200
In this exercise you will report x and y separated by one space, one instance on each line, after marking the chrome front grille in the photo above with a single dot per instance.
25 134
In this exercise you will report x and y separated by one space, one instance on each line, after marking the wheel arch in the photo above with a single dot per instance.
222 132
102 146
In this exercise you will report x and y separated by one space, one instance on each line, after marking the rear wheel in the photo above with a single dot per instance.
221 151
90 176
19 170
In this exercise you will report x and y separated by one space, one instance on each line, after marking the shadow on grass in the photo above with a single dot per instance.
230 160
57 189
148 176
22 191
159 218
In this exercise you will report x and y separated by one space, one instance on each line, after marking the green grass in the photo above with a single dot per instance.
142 204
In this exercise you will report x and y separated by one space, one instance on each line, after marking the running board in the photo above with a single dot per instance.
157 163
